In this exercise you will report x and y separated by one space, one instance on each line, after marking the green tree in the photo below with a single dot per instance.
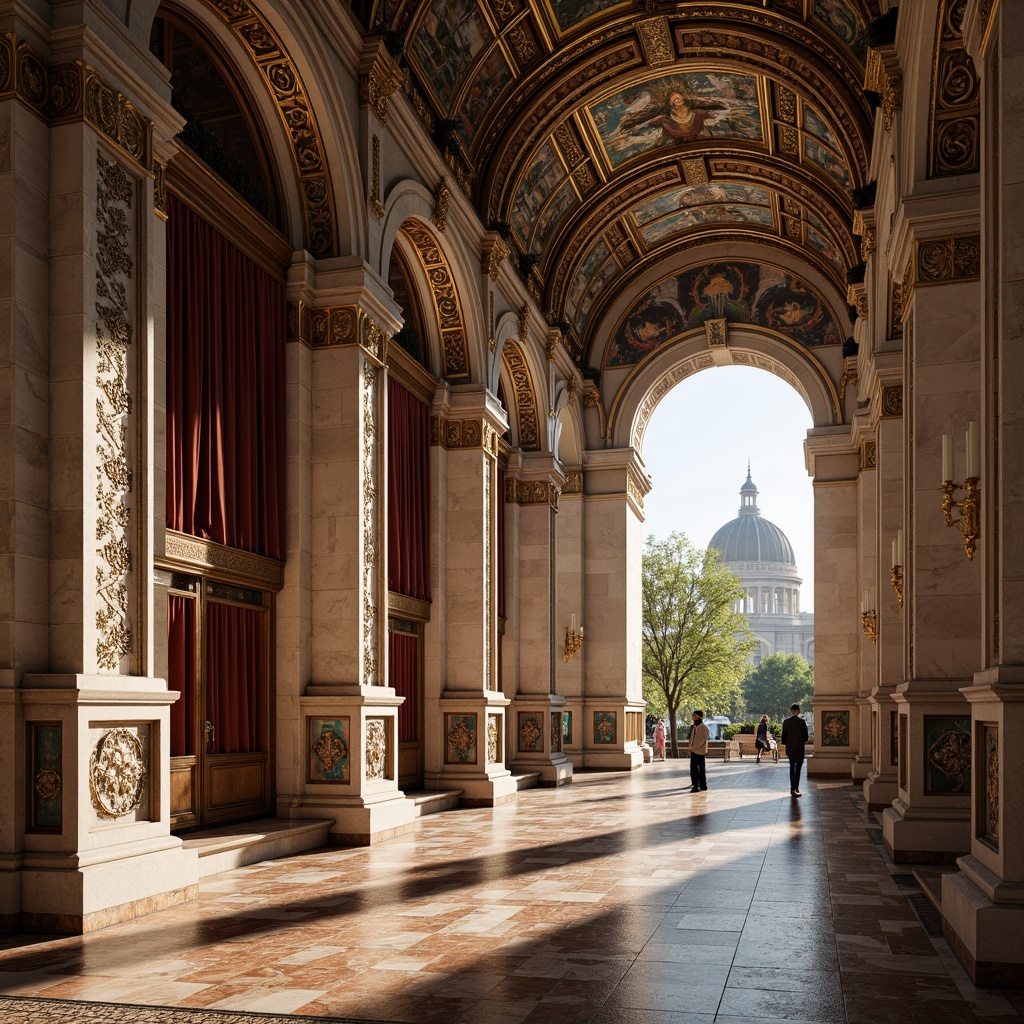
780 681
694 645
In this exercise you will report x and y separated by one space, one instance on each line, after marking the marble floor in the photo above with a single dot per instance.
621 899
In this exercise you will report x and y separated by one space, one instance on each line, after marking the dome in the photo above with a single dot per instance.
750 537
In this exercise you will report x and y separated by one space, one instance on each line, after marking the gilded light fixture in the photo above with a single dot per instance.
869 616
573 641
897 567
969 522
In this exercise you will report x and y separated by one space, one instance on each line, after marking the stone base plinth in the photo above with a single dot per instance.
362 822
535 739
824 764
987 937
860 769
920 836
879 791
71 896
613 760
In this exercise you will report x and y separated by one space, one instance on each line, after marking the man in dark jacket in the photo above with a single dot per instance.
794 739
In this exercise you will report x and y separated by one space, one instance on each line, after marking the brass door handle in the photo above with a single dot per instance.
209 735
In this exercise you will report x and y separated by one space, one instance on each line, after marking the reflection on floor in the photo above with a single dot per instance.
621 899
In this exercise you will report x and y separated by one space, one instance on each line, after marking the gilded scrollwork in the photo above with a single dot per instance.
379 77
525 400
442 198
372 591
376 748
493 748
117 773
115 190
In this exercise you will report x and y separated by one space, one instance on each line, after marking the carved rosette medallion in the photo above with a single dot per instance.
47 783
376 748
892 401
117 773
115 191
371 522
330 749
869 455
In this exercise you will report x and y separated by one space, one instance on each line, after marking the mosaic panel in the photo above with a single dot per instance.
988 817
606 728
738 292
947 746
328 759
677 109
460 739
531 733
44 750
835 729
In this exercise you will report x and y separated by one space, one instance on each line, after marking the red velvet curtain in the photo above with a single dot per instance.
408 493
236 697
501 543
403 665
225 390
181 668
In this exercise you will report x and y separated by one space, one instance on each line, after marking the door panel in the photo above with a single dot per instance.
405 658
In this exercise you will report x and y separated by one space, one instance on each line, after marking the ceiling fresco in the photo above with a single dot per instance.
603 137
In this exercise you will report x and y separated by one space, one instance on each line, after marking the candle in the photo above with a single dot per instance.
864 602
947 458
899 547
895 554
973 450
573 627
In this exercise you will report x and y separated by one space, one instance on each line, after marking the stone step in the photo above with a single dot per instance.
929 877
433 801
233 846
526 780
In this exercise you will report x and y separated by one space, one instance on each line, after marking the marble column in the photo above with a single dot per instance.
930 818
337 729
469 729
983 902
867 499
880 785
834 464
569 528
533 485
615 485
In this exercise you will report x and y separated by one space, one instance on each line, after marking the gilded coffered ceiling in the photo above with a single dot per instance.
605 137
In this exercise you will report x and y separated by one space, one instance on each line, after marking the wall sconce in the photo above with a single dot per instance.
897 567
969 523
573 641
868 616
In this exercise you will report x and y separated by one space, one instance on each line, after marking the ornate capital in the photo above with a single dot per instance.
494 251
532 492
573 482
379 77
335 326
463 434
883 75
442 197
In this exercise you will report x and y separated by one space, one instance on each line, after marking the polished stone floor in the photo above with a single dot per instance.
621 899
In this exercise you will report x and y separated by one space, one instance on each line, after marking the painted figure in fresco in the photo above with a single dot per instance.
719 294
652 325
678 116
797 314
699 736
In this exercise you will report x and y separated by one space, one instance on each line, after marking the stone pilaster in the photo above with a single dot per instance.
338 724
867 529
615 485
532 488
470 728
838 639
569 529
983 902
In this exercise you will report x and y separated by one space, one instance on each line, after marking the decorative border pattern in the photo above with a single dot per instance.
869 455
954 127
525 397
463 434
335 327
531 492
892 401
115 192
372 591
447 304
199 553
286 88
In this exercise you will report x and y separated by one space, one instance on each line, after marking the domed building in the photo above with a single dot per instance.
760 554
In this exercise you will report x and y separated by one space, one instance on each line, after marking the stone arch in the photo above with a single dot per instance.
523 396
639 395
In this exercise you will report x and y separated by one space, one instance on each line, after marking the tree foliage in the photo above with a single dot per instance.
780 681
694 645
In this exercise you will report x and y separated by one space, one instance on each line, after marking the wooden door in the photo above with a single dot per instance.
405 662
221 737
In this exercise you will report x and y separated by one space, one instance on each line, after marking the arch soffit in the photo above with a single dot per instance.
639 395
289 90
655 272
445 288
523 395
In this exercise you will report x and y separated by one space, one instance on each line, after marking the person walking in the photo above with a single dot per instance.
761 742
699 736
794 739
659 741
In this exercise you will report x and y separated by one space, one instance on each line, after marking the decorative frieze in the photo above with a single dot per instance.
462 434
954 128
938 260
531 492
333 326
376 203
869 455
187 552
373 591
573 482
115 191
525 401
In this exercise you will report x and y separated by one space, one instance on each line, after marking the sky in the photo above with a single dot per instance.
696 448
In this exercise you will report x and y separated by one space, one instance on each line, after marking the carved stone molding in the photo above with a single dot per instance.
573 482
191 553
869 455
937 260
882 75
955 125
849 377
892 401
495 250
715 333
656 41
442 197
115 194
376 204
447 305
372 568
335 326
532 492
379 77
463 434
525 398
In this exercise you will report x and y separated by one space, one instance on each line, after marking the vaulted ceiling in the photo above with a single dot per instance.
605 136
